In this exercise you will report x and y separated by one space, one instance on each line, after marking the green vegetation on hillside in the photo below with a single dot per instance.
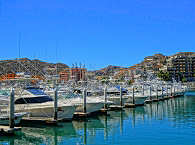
165 76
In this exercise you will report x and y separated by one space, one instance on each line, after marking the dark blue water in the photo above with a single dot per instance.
171 122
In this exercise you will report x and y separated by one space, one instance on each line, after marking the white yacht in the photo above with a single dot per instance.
38 104
139 99
93 103
113 95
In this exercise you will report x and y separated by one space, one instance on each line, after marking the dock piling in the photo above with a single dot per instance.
143 90
11 107
84 100
157 92
105 97
9 130
162 92
150 93
133 95
167 91
56 104
121 97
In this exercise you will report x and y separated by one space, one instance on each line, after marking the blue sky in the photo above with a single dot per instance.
96 32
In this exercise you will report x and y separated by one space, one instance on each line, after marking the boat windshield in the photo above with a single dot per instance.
35 91
31 100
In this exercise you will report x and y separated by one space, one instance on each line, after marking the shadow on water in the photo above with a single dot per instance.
180 112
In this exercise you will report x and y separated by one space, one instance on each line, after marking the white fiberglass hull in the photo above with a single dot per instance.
138 100
90 107
65 112
92 104
116 99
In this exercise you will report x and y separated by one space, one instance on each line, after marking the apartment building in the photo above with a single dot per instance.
76 74
181 66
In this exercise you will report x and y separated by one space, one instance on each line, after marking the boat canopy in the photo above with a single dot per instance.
31 100
35 91
123 89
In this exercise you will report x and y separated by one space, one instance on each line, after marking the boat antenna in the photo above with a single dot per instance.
80 70
56 61
19 49
80 64
76 64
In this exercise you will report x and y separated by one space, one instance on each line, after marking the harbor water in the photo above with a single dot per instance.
169 122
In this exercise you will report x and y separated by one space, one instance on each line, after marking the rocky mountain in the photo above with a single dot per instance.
33 67
109 70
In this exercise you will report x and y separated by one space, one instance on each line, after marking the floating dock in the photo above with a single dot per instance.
7 131
81 115
130 105
39 120
115 107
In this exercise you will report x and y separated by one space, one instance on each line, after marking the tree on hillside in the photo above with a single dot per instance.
165 76
184 80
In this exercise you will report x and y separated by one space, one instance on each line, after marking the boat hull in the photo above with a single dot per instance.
138 100
116 100
90 107
64 112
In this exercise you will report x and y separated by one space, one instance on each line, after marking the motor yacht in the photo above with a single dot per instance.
38 104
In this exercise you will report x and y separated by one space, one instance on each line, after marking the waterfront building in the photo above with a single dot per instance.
8 76
181 66
154 63
65 75
76 74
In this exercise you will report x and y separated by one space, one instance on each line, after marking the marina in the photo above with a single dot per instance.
166 119
35 106
115 72
50 111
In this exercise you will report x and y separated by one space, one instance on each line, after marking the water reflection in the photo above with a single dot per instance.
178 113
42 135
88 129
135 115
